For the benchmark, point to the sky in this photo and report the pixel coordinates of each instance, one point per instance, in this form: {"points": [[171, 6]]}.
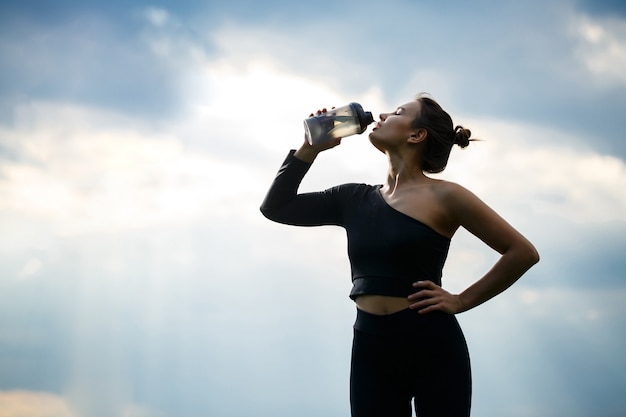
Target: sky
{"points": [[137, 141]]}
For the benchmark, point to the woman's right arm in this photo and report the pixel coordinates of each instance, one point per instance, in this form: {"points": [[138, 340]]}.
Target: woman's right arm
{"points": [[283, 204]]}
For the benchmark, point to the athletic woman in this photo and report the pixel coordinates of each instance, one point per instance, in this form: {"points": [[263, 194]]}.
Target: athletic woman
{"points": [[407, 346]]}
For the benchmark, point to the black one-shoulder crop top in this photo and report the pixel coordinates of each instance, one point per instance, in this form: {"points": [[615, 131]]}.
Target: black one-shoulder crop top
{"points": [[388, 250]]}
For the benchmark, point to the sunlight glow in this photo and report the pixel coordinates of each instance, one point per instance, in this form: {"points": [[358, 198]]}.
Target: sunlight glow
{"points": [[33, 404]]}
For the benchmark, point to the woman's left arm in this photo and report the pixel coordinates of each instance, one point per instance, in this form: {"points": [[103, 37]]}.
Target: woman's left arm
{"points": [[518, 255]]}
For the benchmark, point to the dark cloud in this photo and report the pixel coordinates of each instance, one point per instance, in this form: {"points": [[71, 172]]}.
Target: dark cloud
{"points": [[549, 356], [493, 65], [614, 8], [83, 58], [581, 256], [496, 66]]}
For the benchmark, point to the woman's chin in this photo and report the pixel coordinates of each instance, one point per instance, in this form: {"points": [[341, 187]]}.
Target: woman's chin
{"points": [[376, 143]]}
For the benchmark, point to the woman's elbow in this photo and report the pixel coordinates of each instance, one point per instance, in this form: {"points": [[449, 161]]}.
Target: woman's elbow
{"points": [[531, 255], [274, 214], [267, 212], [523, 252]]}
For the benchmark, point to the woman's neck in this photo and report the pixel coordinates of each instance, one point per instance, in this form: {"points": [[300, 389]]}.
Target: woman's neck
{"points": [[403, 171]]}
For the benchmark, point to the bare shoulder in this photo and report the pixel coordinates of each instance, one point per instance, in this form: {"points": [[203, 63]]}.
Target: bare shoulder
{"points": [[470, 212], [450, 205], [452, 193], [463, 207]]}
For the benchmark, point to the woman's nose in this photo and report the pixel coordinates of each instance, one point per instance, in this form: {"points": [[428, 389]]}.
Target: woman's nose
{"points": [[382, 116]]}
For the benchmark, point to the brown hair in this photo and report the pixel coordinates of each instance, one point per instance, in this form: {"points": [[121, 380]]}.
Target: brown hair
{"points": [[440, 134]]}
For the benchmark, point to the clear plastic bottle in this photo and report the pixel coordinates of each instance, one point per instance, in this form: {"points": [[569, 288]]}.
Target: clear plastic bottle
{"points": [[337, 123]]}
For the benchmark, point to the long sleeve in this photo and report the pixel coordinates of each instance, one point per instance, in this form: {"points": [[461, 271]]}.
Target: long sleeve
{"points": [[283, 204]]}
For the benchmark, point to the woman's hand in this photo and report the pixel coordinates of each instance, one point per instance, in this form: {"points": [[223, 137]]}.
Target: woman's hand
{"points": [[431, 297]]}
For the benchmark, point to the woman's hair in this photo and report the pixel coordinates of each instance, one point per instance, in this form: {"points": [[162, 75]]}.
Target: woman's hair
{"points": [[441, 134]]}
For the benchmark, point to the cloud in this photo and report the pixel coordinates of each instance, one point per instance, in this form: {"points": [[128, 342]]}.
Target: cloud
{"points": [[157, 16], [538, 169], [539, 76], [30, 268], [170, 47], [602, 48], [557, 357], [82, 170], [603, 7], [133, 248], [79, 169], [570, 202], [83, 57]]}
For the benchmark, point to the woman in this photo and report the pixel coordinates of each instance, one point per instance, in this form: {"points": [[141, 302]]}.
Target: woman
{"points": [[407, 342]]}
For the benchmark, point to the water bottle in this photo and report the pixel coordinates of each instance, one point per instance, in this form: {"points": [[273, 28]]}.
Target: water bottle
{"points": [[337, 123]]}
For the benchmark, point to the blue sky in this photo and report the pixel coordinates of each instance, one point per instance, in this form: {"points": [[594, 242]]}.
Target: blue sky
{"points": [[137, 140]]}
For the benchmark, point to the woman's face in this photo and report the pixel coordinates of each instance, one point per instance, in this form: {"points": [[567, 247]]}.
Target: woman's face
{"points": [[395, 128]]}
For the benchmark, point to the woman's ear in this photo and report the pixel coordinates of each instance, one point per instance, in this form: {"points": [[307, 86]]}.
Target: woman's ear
{"points": [[418, 135]]}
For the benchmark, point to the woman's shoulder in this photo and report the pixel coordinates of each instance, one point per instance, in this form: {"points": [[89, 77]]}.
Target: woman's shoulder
{"points": [[449, 188], [460, 202], [449, 192]]}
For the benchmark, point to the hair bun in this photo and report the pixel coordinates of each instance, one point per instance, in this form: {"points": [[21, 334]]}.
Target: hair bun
{"points": [[462, 136]]}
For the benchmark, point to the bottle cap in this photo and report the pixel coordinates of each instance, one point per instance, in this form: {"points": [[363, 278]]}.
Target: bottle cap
{"points": [[365, 117]]}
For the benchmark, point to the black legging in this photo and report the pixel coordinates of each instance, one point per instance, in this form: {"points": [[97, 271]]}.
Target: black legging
{"points": [[404, 356]]}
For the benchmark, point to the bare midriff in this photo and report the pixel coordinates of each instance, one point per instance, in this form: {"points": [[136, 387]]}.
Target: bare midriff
{"points": [[381, 304]]}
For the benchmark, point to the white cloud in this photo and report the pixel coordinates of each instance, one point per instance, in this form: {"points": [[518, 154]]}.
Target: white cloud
{"points": [[602, 47], [303, 49], [522, 167], [156, 16], [32, 267], [83, 170], [103, 176]]}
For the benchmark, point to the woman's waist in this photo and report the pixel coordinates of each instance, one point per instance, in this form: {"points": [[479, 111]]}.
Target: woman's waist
{"points": [[381, 304]]}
